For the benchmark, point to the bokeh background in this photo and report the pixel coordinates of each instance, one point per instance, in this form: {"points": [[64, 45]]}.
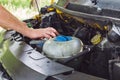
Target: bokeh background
{"points": [[22, 9]]}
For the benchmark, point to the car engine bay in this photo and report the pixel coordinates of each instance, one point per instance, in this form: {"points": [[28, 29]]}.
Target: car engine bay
{"points": [[97, 50]]}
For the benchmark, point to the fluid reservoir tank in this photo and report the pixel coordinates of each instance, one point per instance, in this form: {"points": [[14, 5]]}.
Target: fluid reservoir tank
{"points": [[62, 47]]}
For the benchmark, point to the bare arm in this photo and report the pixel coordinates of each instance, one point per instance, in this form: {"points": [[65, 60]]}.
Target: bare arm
{"points": [[8, 21]]}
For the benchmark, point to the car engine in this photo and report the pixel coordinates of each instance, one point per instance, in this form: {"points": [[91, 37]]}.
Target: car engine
{"points": [[88, 45]]}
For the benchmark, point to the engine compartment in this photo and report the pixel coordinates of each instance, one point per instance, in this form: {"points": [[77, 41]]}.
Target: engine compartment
{"points": [[100, 39]]}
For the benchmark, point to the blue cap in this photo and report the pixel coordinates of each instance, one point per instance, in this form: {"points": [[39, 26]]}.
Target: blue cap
{"points": [[62, 38]]}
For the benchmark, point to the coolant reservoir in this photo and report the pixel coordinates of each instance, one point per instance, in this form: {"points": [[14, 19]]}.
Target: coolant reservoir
{"points": [[62, 47]]}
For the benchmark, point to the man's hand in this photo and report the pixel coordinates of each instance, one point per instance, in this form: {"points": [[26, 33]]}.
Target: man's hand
{"points": [[8, 21], [41, 33]]}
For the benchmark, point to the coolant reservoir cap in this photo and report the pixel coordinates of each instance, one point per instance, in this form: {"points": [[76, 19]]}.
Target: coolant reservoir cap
{"points": [[62, 38]]}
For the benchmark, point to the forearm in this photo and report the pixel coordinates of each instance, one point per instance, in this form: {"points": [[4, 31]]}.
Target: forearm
{"points": [[8, 21]]}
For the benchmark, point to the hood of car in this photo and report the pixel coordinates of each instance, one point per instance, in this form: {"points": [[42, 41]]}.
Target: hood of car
{"points": [[101, 10], [104, 4]]}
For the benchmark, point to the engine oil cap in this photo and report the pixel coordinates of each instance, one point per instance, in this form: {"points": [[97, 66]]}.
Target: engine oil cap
{"points": [[96, 39]]}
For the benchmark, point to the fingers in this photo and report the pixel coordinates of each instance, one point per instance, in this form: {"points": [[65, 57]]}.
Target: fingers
{"points": [[51, 31], [42, 33], [47, 36], [53, 34], [50, 34]]}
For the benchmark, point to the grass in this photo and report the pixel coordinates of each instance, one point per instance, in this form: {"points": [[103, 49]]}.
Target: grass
{"points": [[21, 8], [20, 12], [16, 3]]}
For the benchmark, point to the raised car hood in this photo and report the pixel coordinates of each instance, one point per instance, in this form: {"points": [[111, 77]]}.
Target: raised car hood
{"points": [[102, 10], [109, 4]]}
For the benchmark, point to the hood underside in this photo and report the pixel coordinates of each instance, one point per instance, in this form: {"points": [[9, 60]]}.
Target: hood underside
{"points": [[101, 10]]}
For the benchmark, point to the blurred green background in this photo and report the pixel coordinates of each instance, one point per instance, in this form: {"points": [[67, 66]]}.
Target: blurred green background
{"points": [[16, 3], [21, 8]]}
